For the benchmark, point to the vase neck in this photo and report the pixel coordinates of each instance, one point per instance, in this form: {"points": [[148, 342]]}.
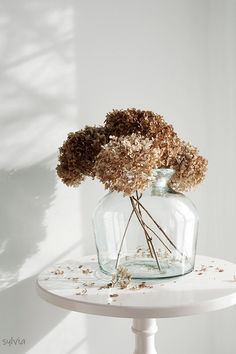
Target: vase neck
{"points": [[162, 179]]}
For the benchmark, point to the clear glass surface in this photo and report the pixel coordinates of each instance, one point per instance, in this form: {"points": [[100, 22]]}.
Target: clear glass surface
{"points": [[156, 239]]}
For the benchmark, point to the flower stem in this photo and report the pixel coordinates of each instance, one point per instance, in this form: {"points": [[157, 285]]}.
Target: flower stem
{"points": [[149, 239], [139, 197], [159, 227], [122, 241]]}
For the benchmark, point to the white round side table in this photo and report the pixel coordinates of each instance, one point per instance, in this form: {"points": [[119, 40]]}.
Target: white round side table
{"points": [[80, 286]]}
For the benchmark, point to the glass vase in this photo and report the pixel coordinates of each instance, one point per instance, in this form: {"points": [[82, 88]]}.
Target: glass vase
{"points": [[152, 234]]}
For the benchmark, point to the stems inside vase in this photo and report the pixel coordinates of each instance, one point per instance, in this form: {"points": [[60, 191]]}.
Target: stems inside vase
{"points": [[138, 209], [148, 238], [159, 227]]}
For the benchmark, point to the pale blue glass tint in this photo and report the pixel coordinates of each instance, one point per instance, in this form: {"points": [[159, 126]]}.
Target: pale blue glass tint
{"points": [[171, 221]]}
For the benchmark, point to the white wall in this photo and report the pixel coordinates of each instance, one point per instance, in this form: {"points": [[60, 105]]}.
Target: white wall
{"points": [[64, 64]]}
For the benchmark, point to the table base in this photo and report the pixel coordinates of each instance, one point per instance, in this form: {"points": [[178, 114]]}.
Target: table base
{"points": [[144, 330]]}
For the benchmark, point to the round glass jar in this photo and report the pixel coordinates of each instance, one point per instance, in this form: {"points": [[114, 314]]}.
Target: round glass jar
{"points": [[153, 234]]}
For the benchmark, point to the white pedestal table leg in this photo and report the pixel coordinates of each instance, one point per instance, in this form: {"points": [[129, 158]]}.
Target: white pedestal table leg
{"points": [[144, 330]]}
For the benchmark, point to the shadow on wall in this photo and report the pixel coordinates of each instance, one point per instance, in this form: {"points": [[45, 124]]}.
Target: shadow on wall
{"points": [[36, 40], [36, 67], [25, 315], [25, 196]]}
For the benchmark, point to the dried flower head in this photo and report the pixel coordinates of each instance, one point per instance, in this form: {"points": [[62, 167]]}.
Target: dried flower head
{"points": [[149, 125], [78, 153], [134, 142], [128, 121], [126, 163], [190, 168]]}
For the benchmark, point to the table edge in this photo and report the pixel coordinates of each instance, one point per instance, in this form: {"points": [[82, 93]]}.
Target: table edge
{"points": [[136, 312]]}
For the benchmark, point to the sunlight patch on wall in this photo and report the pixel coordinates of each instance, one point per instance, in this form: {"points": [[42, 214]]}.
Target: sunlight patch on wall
{"points": [[38, 85]]}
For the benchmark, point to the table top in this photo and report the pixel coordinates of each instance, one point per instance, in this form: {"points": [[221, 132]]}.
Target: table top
{"points": [[79, 285]]}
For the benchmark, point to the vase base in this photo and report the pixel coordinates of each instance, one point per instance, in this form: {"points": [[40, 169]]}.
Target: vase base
{"points": [[148, 269]]}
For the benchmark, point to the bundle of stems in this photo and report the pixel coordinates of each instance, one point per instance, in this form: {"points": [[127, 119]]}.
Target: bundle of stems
{"points": [[139, 211]]}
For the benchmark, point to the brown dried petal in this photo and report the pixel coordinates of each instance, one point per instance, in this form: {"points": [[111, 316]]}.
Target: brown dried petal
{"points": [[78, 153], [128, 121]]}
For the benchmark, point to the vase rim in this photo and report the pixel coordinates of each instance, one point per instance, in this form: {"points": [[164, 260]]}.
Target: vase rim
{"points": [[165, 171], [162, 178]]}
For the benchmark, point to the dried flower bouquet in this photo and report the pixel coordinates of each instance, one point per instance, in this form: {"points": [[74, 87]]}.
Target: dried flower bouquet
{"points": [[124, 154]]}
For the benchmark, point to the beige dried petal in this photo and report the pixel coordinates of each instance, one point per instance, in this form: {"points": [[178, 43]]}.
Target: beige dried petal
{"points": [[127, 163]]}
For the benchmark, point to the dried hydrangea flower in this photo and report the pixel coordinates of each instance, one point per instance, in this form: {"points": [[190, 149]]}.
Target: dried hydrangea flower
{"points": [[126, 163], [128, 121], [142, 141], [78, 153], [174, 153], [190, 168], [149, 125]]}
